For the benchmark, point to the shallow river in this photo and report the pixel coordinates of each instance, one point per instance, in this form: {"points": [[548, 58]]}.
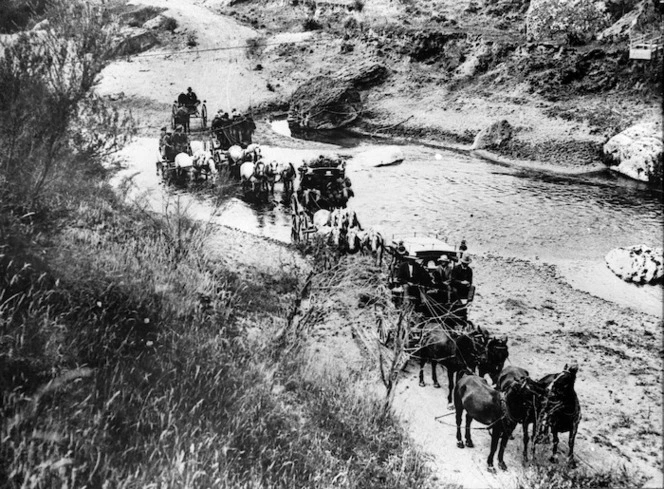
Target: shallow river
{"points": [[568, 221]]}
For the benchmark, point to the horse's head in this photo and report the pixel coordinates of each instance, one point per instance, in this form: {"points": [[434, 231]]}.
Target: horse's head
{"points": [[335, 236], [354, 239], [375, 240], [272, 168], [260, 169], [496, 355], [563, 383]]}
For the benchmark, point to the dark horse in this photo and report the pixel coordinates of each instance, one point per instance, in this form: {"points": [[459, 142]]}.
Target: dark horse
{"points": [[182, 116], [459, 350], [501, 411], [561, 411], [509, 376], [287, 176]]}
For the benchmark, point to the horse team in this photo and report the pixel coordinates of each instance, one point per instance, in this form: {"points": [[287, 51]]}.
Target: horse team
{"points": [[344, 233], [469, 354]]}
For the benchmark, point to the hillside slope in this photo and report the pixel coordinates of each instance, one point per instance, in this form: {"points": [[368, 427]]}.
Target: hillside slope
{"points": [[456, 67]]}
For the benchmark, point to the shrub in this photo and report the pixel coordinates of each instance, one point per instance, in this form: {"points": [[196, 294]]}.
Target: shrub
{"points": [[16, 15], [169, 24], [53, 130], [255, 47], [311, 24]]}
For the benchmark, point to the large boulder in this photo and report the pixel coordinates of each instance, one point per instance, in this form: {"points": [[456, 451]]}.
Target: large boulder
{"points": [[364, 75], [134, 41], [637, 152], [323, 103], [493, 136], [639, 264]]}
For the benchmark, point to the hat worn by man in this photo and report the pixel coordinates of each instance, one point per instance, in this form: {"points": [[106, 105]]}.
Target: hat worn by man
{"points": [[466, 259], [444, 259], [179, 127]]}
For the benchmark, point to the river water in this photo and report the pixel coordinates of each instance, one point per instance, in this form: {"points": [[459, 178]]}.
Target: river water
{"points": [[571, 222]]}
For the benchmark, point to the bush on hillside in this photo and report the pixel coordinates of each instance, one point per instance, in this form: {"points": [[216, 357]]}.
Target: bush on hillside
{"points": [[573, 22], [53, 130], [16, 15], [617, 8]]}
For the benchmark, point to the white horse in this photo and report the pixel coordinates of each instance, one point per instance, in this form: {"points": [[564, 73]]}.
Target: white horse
{"points": [[348, 219], [253, 152], [236, 154], [355, 239], [321, 218], [253, 175], [183, 161], [271, 174], [375, 243]]}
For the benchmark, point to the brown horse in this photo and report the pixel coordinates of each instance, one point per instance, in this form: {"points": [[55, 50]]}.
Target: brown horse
{"points": [[501, 411], [509, 376], [182, 116], [458, 350], [561, 411]]}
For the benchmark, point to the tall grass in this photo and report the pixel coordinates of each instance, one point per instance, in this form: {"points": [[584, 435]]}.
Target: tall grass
{"points": [[161, 382]]}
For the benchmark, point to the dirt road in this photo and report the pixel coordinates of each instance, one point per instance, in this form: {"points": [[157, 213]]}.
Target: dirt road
{"points": [[217, 68]]}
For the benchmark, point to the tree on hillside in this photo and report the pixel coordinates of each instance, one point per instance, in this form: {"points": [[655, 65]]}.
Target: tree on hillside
{"points": [[46, 106], [572, 22]]}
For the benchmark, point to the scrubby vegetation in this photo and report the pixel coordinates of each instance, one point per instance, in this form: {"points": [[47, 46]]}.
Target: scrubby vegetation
{"points": [[16, 15], [130, 355], [586, 478]]}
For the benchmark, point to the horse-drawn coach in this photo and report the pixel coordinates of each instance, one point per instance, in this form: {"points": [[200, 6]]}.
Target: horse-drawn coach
{"points": [[227, 132], [323, 185], [421, 274], [182, 113]]}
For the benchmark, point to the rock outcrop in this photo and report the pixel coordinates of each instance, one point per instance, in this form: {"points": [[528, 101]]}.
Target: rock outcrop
{"points": [[637, 152], [639, 264], [331, 102], [493, 136], [324, 103], [134, 41], [363, 76]]}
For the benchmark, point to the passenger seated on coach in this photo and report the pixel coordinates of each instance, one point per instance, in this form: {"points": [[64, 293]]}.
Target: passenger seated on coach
{"points": [[411, 275], [461, 279], [442, 276]]}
